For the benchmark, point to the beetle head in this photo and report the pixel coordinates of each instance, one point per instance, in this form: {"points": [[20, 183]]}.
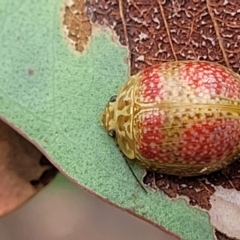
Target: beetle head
{"points": [[116, 118], [107, 117]]}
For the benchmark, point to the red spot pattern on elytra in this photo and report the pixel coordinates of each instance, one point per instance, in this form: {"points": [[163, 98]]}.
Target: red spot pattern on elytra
{"points": [[151, 83], [151, 136], [212, 79], [210, 140]]}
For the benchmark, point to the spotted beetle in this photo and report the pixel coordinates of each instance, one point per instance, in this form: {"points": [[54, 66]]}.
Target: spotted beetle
{"points": [[180, 118]]}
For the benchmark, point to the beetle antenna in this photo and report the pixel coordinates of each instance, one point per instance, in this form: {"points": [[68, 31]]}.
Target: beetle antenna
{"points": [[133, 173]]}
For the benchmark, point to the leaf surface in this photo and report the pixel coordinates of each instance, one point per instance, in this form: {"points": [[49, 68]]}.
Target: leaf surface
{"points": [[55, 96]]}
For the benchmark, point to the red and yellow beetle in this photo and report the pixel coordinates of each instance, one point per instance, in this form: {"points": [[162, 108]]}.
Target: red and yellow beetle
{"points": [[180, 118]]}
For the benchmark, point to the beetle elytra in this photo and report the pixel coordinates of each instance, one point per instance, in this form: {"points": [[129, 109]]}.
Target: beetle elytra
{"points": [[180, 118]]}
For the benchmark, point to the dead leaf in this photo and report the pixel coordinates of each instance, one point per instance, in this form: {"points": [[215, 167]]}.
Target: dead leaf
{"points": [[77, 24], [221, 236], [24, 170], [158, 30]]}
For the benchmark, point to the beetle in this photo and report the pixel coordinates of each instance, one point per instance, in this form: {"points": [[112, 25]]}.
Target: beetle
{"points": [[179, 118]]}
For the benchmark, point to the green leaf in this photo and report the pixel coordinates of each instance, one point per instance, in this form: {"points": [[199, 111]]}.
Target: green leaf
{"points": [[55, 96]]}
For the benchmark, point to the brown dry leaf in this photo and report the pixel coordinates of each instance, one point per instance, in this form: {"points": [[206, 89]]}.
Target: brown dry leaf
{"points": [[77, 24], [23, 170], [221, 236], [168, 30]]}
